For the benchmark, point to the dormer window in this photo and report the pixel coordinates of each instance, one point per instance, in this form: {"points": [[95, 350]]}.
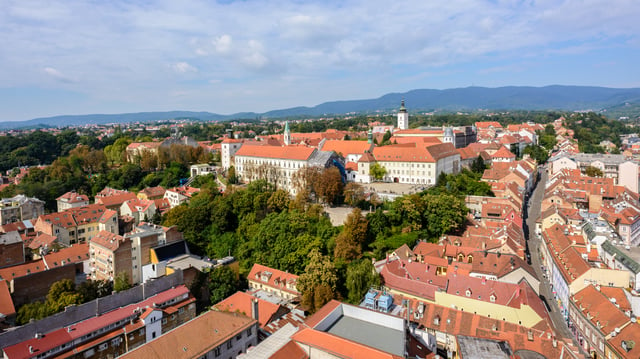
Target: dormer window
{"points": [[436, 320], [468, 293], [492, 298]]}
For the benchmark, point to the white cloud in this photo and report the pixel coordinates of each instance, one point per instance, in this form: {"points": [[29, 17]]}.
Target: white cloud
{"points": [[56, 74], [183, 67], [222, 44], [331, 46]]}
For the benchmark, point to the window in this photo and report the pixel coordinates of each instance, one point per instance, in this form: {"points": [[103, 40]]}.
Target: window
{"points": [[249, 332], [181, 310], [216, 352], [103, 346], [164, 321], [229, 344], [153, 335]]}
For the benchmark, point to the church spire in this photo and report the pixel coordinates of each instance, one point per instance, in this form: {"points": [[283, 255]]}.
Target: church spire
{"points": [[287, 134]]}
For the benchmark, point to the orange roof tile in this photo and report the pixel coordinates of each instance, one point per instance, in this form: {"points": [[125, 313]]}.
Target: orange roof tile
{"points": [[6, 302], [339, 346], [241, 302], [293, 152], [347, 147], [275, 278]]}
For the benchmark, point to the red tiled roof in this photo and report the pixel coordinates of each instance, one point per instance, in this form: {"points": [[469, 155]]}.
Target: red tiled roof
{"points": [[108, 240], [76, 331], [629, 334], [347, 147], [503, 152], [276, 278], [338, 346], [6, 302], [596, 307], [241, 302], [481, 125], [76, 253], [412, 152], [157, 191], [116, 200], [194, 338], [291, 350], [41, 240], [73, 197], [20, 270], [293, 152]]}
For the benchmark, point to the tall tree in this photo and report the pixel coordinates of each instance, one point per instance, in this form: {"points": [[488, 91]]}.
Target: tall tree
{"points": [[223, 281], [361, 275], [329, 185], [319, 276], [354, 233]]}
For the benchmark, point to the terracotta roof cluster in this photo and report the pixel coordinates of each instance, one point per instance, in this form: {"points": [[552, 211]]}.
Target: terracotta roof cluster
{"points": [[138, 205], [627, 343], [274, 278], [143, 145], [539, 339]]}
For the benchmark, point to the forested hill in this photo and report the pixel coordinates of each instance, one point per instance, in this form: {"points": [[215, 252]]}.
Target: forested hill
{"points": [[567, 98]]}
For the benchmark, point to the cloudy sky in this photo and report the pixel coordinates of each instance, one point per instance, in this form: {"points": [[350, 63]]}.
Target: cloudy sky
{"points": [[102, 56]]}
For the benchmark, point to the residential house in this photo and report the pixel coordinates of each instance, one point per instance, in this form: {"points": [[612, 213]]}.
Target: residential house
{"points": [[140, 209], [594, 320], [71, 200], [20, 208], [270, 280], [78, 224], [179, 195]]}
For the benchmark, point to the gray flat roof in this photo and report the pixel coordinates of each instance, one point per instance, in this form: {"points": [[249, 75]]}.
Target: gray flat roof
{"points": [[373, 335], [478, 348]]}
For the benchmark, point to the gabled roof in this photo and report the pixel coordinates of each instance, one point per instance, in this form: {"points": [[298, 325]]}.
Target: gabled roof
{"points": [[275, 278], [194, 338], [75, 254], [73, 197], [503, 152], [338, 346], [157, 191], [41, 240], [6, 302], [76, 331], [108, 240], [116, 200], [627, 343], [597, 308], [292, 152], [346, 147], [412, 152], [241, 303]]}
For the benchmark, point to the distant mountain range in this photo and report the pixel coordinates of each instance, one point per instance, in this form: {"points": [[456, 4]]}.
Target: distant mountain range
{"points": [[566, 98]]}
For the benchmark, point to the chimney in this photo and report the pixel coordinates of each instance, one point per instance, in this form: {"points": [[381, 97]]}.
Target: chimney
{"points": [[255, 314]]}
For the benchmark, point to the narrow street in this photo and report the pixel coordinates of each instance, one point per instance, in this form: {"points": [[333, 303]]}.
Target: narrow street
{"points": [[533, 243]]}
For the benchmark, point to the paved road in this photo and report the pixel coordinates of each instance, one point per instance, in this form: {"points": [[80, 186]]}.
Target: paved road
{"points": [[533, 243]]}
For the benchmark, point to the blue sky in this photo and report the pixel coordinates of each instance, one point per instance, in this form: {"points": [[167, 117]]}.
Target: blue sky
{"points": [[81, 57]]}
